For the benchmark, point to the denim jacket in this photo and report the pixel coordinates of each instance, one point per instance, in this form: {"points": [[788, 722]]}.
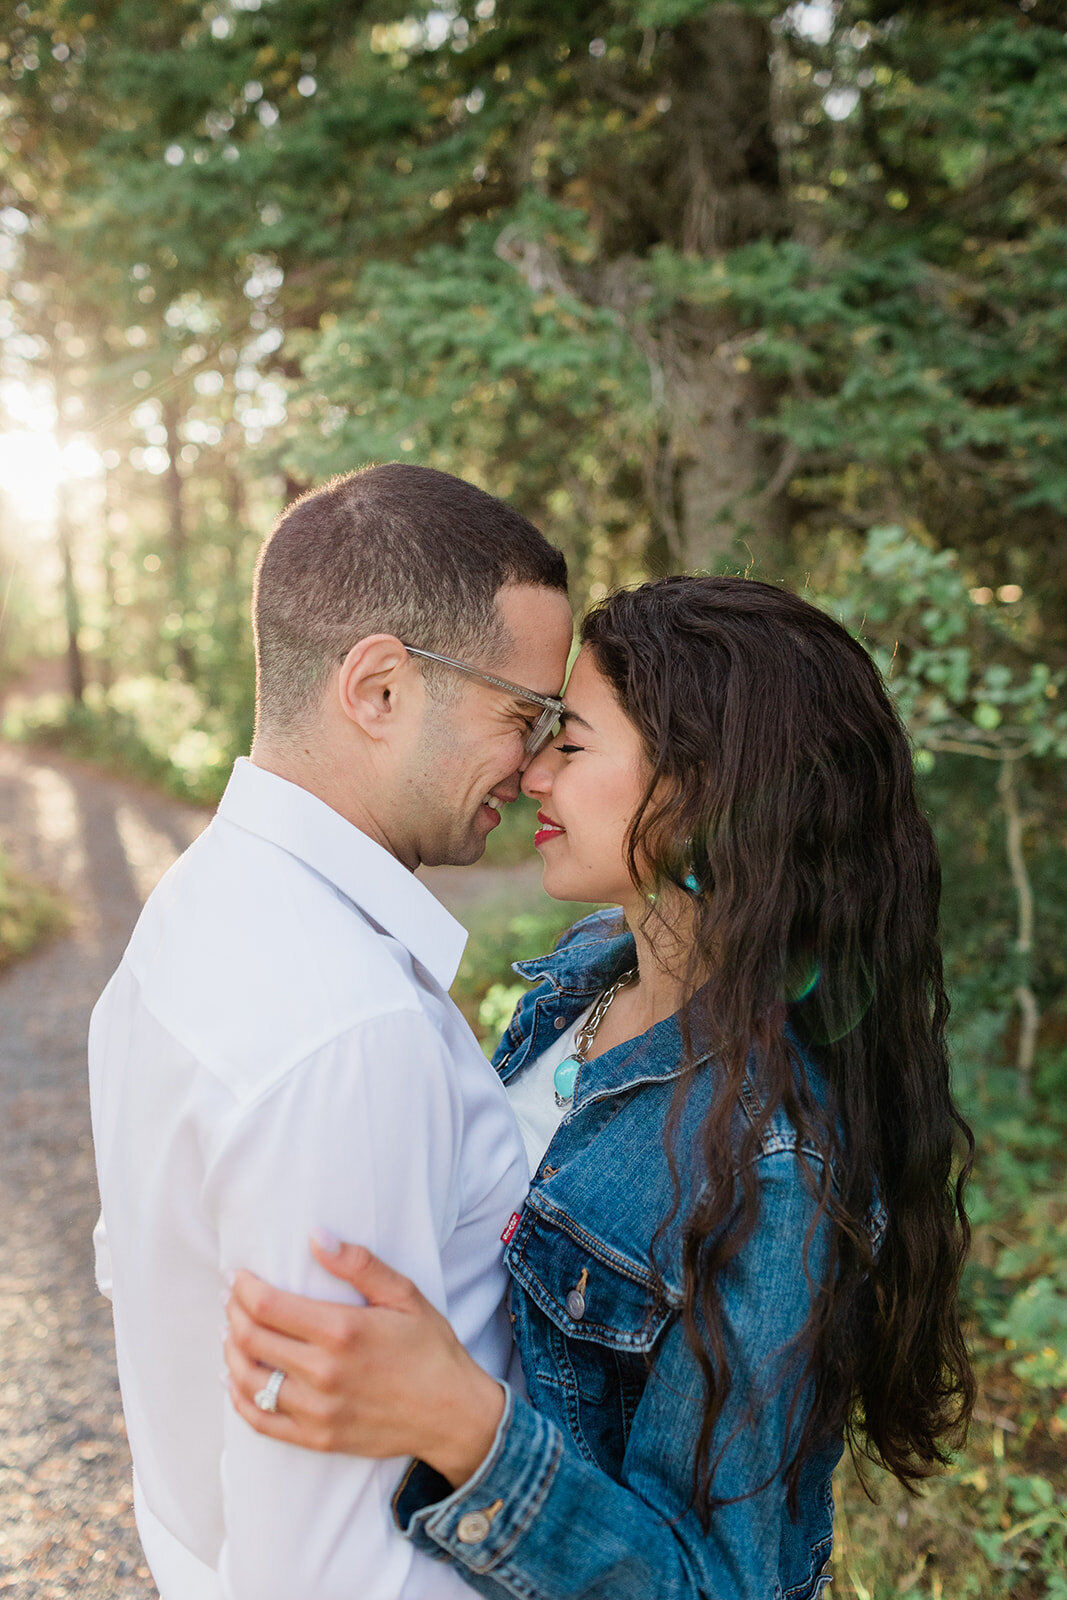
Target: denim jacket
{"points": [[587, 1489]]}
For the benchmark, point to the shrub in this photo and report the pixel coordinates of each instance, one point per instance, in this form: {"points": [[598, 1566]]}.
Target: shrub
{"points": [[29, 913], [158, 729]]}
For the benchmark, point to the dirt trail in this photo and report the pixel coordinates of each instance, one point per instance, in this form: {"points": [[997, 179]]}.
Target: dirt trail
{"points": [[66, 1520]]}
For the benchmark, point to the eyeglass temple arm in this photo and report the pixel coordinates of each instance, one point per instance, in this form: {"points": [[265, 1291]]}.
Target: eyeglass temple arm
{"points": [[550, 702]]}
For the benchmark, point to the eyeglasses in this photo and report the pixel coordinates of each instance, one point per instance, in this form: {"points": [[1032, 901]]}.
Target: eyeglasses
{"points": [[551, 705]]}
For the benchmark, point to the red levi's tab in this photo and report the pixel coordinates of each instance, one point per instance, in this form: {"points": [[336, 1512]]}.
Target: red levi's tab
{"points": [[509, 1232]]}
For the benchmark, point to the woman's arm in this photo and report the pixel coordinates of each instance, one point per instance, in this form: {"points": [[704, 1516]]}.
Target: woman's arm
{"points": [[535, 1517]]}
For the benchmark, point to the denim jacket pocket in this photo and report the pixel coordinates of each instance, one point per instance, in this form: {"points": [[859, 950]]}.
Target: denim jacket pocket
{"points": [[592, 1322]]}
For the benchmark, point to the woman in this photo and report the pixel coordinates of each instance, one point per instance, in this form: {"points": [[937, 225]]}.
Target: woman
{"points": [[745, 1229]]}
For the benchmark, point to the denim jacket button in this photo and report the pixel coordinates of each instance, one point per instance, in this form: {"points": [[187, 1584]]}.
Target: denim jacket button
{"points": [[474, 1525], [560, 1022], [575, 1303]]}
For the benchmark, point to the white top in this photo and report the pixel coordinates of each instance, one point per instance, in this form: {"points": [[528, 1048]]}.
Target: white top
{"points": [[276, 1051], [532, 1093]]}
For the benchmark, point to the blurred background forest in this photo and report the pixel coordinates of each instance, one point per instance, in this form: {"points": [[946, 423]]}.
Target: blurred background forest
{"points": [[694, 285]]}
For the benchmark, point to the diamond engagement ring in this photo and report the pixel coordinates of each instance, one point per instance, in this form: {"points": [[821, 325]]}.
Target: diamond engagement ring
{"points": [[267, 1397]]}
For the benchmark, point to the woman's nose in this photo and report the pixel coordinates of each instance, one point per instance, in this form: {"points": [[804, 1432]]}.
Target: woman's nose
{"points": [[538, 774]]}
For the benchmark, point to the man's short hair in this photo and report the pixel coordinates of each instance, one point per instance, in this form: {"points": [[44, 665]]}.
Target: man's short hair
{"points": [[394, 549]]}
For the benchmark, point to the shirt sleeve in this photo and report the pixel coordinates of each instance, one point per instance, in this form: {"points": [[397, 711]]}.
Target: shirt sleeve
{"points": [[102, 1257], [362, 1139], [540, 1520]]}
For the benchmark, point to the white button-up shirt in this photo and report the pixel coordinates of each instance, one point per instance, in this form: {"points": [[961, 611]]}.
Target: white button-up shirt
{"points": [[277, 1051]]}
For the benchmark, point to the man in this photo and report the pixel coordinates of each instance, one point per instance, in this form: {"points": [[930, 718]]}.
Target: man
{"points": [[277, 1051]]}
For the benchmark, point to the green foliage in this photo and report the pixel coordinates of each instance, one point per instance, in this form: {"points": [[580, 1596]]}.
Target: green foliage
{"points": [[29, 914], [995, 1525], [157, 729], [962, 672], [511, 841], [914, 325], [18, 622], [452, 358], [485, 988], [1017, 1277], [463, 237], [496, 1010]]}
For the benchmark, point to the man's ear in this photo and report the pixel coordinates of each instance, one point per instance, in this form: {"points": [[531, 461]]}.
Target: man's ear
{"points": [[373, 674]]}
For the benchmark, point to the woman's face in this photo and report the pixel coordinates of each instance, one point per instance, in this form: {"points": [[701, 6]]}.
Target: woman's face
{"points": [[588, 784]]}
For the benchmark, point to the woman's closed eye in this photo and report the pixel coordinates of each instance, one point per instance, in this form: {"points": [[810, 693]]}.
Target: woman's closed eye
{"points": [[568, 749]]}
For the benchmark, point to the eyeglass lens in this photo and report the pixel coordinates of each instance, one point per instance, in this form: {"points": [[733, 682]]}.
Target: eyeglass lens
{"points": [[542, 730]]}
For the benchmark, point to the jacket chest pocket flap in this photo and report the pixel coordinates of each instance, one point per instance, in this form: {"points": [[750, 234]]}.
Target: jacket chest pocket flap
{"points": [[586, 1290]]}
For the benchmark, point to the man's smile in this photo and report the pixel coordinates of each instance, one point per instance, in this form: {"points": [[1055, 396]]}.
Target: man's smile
{"points": [[489, 810]]}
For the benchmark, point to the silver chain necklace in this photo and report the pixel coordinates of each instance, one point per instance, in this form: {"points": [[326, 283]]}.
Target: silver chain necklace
{"points": [[566, 1074]]}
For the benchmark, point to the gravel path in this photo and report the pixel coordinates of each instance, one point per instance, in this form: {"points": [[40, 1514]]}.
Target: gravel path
{"points": [[66, 1520]]}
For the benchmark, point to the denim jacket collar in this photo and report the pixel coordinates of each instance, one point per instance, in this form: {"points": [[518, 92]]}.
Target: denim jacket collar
{"points": [[583, 968], [567, 980]]}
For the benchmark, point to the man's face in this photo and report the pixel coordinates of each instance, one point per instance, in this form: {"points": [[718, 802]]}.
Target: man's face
{"points": [[470, 749]]}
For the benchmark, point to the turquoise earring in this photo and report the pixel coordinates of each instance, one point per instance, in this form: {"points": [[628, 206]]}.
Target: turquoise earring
{"points": [[691, 883]]}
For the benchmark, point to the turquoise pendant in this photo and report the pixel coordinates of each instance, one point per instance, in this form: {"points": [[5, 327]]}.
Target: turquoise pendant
{"points": [[564, 1079]]}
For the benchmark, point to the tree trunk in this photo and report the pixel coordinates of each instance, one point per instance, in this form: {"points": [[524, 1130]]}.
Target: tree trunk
{"points": [[8, 568], [723, 186], [107, 564], [710, 182], [71, 600], [235, 503], [732, 511], [233, 598], [65, 540], [1029, 1014], [179, 539]]}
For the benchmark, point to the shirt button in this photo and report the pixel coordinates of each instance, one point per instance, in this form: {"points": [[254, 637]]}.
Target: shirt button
{"points": [[560, 1022], [472, 1528]]}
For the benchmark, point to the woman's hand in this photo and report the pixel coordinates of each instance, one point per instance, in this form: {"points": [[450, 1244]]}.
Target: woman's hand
{"points": [[386, 1379]]}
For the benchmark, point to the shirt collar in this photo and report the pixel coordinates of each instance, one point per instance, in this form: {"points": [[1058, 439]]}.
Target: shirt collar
{"points": [[299, 822]]}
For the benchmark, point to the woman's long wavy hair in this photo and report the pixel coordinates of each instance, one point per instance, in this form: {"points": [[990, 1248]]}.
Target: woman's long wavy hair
{"points": [[781, 779]]}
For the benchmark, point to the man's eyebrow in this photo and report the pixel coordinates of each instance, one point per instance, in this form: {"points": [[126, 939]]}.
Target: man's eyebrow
{"points": [[572, 716]]}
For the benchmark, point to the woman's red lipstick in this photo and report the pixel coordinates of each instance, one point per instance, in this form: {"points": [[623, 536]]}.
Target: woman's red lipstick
{"points": [[549, 829]]}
